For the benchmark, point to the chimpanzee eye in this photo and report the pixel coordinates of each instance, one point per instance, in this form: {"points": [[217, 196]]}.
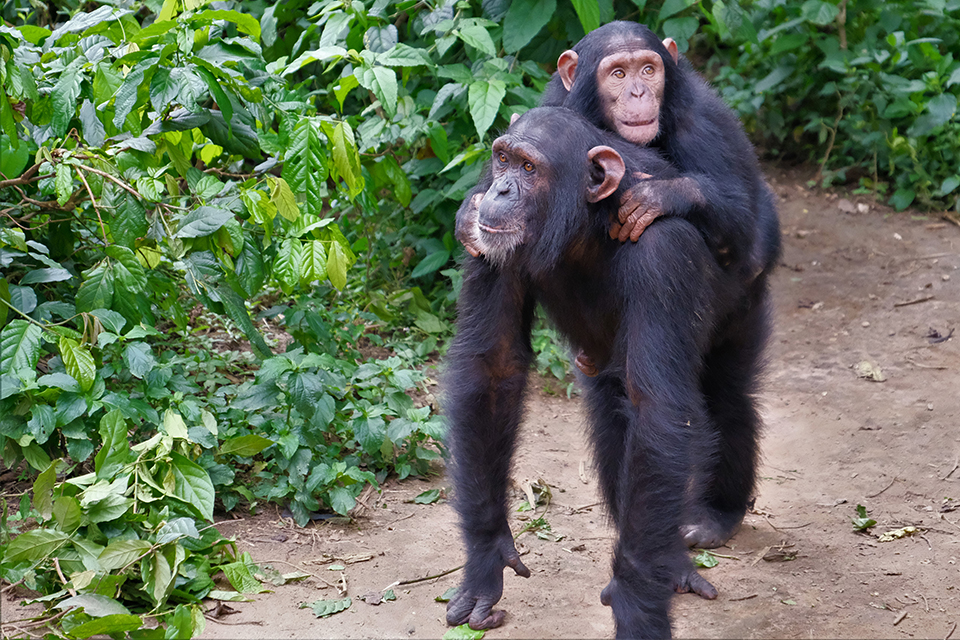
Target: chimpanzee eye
{"points": [[648, 70], [528, 167], [502, 157], [618, 73]]}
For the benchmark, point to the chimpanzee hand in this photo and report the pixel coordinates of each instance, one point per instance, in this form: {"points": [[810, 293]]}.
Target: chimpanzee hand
{"points": [[689, 581], [649, 199], [483, 585], [466, 229]]}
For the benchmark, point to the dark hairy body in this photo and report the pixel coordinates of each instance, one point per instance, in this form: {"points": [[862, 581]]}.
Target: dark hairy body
{"points": [[675, 337]]}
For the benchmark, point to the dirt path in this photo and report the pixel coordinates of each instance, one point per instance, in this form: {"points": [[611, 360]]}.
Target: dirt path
{"points": [[833, 441]]}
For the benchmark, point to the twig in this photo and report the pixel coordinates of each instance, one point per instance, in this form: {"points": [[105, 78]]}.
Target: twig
{"points": [[298, 567], [56, 565], [950, 633], [909, 302], [93, 201], [926, 366], [874, 495], [833, 137], [25, 178], [416, 580], [752, 595], [956, 464], [903, 614], [15, 584], [588, 506], [106, 175], [259, 623]]}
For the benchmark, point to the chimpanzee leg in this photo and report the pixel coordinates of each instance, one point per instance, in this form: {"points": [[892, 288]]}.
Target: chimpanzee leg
{"points": [[669, 280], [604, 399], [729, 382], [485, 381]]}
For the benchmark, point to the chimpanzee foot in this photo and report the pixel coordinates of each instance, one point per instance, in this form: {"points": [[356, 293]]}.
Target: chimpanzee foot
{"points": [[711, 528], [483, 586], [693, 582]]}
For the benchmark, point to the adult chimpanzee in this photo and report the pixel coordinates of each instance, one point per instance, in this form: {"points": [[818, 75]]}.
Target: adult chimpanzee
{"points": [[669, 330], [623, 79]]}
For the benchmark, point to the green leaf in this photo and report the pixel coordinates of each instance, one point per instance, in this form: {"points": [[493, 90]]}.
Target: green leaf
{"points": [[305, 166], [129, 221], [903, 198], [705, 560], [94, 605], [673, 7], [341, 500], [463, 632], [428, 497], [97, 289], [380, 39], [282, 196], [33, 546], [681, 30], [67, 513], [245, 446], [12, 160], [431, 263], [286, 268], [324, 608], [115, 450], [238, 573], [138, 359], [79, 362], [173, 424], [346, 160], [401, 55], [234, 307], [64, 96], [337, 266], [249, 268], [111, 320], [64, 183], [45, 275], [126, 97], [479, 38], [193, 484], [121, 553], [107, 625], [313, 265], [203, 221], [485, 98], [589, 13], [819, 12], [43, 491], [524, 20], [245, 23], [93, 131], [216, 90], [447, 595]]}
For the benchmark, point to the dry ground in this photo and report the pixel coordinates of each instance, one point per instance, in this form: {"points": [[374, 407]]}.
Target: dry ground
{"points": [[833, 440]]}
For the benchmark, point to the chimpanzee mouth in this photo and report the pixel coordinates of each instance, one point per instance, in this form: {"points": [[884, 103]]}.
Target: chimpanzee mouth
{"points": [[508, 230], [639, 123]]}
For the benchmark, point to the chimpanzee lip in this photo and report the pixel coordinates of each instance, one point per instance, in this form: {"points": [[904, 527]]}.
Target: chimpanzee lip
{"points": [[639, 123], [489, 229]]}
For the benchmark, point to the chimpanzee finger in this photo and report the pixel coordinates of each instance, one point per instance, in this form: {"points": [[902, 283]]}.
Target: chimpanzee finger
{"points": [[642, 223], [628, 225], [615, 230], [459, 609], [641, 175], [472, 250], [517, 565], [483, 617], [693, 582]]}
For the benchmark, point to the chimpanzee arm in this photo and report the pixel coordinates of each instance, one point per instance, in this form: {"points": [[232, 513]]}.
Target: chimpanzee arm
{"points": [[485, 382]]}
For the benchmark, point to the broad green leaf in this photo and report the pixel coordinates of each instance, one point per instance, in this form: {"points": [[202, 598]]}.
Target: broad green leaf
{"points": [[681, 30], [193, 484], [174, 425], [524, 20], [94, 605], [313, 264], [383, 82], [121, 553], [203, 221], [463, 632], [305, 166], [177, 528], [431, 263], [346, 159], [380, 39], [236, 310], [35, 456], [4, 309], [216, 90], [82, 21], [238, 573], [64, 96], [286, 268], [67, 513], [43, 491], [14, 158], [64, 183], [485, 98], [45, 275], [79, 362], [114, 625], [589, 13], [138, 359], [126, 97], [33, 546], [93, 131], [115, 450], [111, 320], [337, 266], [245, 446], [283, 197], [428, 497], [245, 23], [345, 86], [819, 12], [129, 221], [402, 55], [673, 7], [249, 268], [479, 38], [97, 289]]}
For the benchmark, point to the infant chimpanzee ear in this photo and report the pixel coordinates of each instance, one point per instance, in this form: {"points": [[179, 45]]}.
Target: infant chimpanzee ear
{"points": [[606, 172]]}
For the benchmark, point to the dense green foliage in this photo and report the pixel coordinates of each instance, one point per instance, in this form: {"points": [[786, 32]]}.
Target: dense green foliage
{"points": [[227, 245]]}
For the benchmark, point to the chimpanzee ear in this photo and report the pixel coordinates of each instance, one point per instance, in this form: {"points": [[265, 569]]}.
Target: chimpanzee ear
{"points": [[514, 118], [672, 49], [567, 66], [611, 164]]}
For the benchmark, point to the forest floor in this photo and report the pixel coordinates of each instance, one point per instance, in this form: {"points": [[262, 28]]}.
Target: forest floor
{"points": [[856, 285]]}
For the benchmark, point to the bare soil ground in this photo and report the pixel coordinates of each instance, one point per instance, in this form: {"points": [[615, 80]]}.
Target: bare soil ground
{"points": [[861, 286]]}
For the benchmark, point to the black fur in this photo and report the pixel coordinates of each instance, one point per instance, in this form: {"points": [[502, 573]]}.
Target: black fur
{"points": [[677, 341]]}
